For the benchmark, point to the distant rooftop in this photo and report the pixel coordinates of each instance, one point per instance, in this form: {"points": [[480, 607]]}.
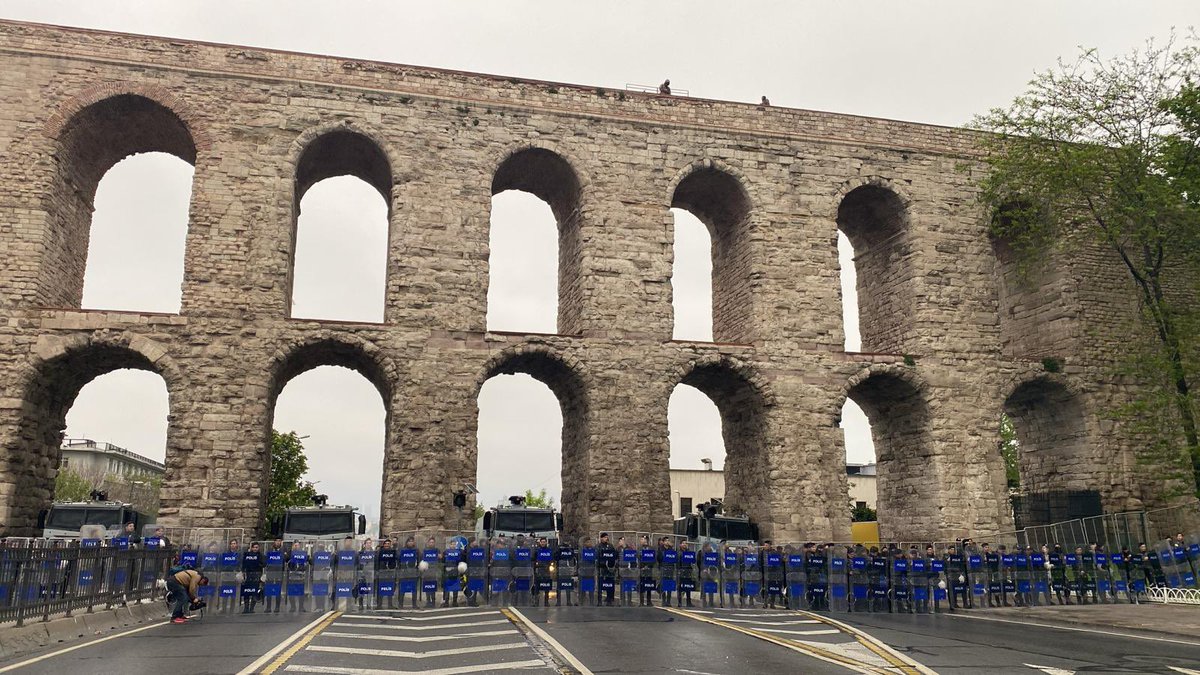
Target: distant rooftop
{"points": [[108, 448]]}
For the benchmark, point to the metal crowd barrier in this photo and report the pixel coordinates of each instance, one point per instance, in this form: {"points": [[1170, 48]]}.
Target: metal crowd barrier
{"points": [[40, 578]]}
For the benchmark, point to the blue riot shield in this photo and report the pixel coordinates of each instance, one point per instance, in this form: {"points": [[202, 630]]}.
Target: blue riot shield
{"points": [[298, 583], [710, 576], [797, 587], [838, 596]]}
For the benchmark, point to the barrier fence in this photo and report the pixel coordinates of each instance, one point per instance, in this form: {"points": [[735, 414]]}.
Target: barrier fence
{"points": [[40, 578], [428, 568]]}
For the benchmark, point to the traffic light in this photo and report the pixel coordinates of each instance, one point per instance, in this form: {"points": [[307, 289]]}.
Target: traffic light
{"points": [[460, 499]]}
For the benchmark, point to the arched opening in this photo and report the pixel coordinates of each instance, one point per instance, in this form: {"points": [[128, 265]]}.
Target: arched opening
{"points": [[907, 484], [522, 265], [697, 450], [874, 221], [862, 468], [525, 443], [340, 247], [719, 201], [520, 439], [743, 412], [345, 436], [32, 457], [692, 279], [516, 242], [145, 199], [1056, 469]]}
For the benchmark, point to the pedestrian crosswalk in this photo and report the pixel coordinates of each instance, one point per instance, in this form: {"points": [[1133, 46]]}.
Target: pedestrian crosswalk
{"points": [[445, 642]]}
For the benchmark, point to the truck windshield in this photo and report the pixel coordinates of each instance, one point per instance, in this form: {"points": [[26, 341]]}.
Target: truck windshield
{"points": [[74, 517], [319, 524], [521, 521], [731, 530]]}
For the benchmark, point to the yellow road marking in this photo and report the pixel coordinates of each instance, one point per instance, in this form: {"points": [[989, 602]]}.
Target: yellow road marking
{"points": [[816, 652], [301, 643], [906, 667]]}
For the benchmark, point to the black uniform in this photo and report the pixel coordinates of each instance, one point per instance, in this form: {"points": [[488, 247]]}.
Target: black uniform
{"points": [[252, 571]]}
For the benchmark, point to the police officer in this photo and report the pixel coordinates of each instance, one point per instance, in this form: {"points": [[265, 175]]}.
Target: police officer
{"points": [[1058, 574], [543, 581], [710, 576], [629, 576], [230, 561], [901, 587], [687, 574], [772, 560], [817, 577], [588, 560], [646, 561], [385, 574], [252, 572], [277, 553], [607, 561], [877, 576], [668, 562], [297, 572], [408, 558], [430, 556], [566, 564], [452, 577], [936, 577], [995, 583], [956, 569]]}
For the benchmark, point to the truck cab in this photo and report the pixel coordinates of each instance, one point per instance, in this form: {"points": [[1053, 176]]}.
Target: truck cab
{"points": [[515, 518], [319, 522], [709, 526], [63, 520]]}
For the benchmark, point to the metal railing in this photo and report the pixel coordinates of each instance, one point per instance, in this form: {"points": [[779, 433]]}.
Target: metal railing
{"points": [[1169, 521], [41, 578], [1114, 531]]}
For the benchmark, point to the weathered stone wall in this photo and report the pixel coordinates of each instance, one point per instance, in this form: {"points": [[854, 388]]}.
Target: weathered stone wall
{"points": [[772, 184]]}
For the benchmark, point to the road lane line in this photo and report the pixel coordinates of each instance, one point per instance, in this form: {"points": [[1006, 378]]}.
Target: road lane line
{"points": [[433, 610], [64, 650], [771, 623], [421, 618], [313, 629], [518, 618], [461, 670], [906, 665], [818, 631], [1191, 643], [399, 653], [389, 626], [814, 652], [419, 638]]}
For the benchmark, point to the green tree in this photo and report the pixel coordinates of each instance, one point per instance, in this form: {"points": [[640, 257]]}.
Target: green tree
{"points": [[863, 514], [288, 466], [540, 500], [1103, 155], [1009, 447], [69, 486]]}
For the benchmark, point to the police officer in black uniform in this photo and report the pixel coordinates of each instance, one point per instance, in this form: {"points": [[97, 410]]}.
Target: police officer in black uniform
{"points": [[606, 559], [385, 570], [252, 573]]}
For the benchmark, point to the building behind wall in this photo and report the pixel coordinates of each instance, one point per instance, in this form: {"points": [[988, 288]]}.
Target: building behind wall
{"points": [[691, 487], [92, 458]]}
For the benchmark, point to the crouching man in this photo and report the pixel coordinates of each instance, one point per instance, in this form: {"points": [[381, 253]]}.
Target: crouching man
{"points": [[182, 586]]}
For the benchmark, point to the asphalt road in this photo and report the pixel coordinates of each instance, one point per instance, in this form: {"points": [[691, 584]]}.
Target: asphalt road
{"points": [[617, 640]]}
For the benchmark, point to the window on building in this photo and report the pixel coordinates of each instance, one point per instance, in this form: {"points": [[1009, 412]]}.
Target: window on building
{"points": [[860, 505], [685, 505]]}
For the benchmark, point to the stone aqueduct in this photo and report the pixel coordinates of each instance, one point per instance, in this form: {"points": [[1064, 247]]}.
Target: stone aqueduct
{"points": [[773, 185]]}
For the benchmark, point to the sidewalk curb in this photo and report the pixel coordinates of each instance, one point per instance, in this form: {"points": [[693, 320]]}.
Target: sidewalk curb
{"points": [[1075, 620], [15, 641]]}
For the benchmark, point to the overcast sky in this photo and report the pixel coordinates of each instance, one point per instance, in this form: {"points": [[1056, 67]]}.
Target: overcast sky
{"points": [[919, 60]]}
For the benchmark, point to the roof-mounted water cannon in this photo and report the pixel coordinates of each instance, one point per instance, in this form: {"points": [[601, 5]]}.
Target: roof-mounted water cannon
{"points": [[320, 501], [517, 500], [98, 495]]}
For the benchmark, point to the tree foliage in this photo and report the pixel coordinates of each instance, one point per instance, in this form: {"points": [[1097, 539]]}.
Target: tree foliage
{"points": [[540, 500], [70, 486], [1103, 155], [1009, 449], [288, 466], [863, 514]]}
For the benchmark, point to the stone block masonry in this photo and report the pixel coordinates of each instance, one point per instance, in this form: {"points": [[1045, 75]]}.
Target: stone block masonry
{"points": [[774, 185]]}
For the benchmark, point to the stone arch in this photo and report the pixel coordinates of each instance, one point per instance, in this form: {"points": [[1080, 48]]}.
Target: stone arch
{"points": [[896, 401], [345, 148], [564, 377], [92, 133], [1050, 416], [51, 382], [329, 348], [550, 176], [743, 400], [717, 195], [875, 216]]}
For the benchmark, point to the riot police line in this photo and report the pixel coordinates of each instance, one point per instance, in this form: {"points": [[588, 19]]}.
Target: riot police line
{"points": [[425, 569]]}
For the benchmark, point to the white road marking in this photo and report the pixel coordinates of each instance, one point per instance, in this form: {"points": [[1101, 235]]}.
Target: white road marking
{"points": [[461, 670], [554, 644], [416, 655], [388, 626], [880, 645], [266, 658], [421, 618], [1075, 629], [771, 623], [1185, 671], [1050, 671], [419, 638], [43, 657], [429, 610], [819, 631]]}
